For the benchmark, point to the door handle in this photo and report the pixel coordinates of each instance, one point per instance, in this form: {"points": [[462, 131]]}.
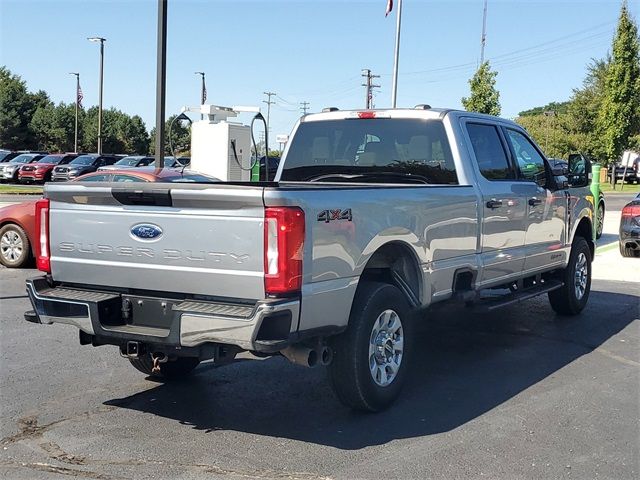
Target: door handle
{"points": [[534, 201], [493, 203]]}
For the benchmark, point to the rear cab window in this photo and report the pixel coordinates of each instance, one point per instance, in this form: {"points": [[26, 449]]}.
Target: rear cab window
{"points": [[377, 150]]}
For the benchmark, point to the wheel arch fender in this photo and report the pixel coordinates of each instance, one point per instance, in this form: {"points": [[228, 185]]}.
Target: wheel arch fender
{"points": [[396, 262], [584, 228]]}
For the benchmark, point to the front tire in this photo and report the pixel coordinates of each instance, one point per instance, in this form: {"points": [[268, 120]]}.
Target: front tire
{"points": [[176, 369], [371, 358], [572, 297], [14, 246]]}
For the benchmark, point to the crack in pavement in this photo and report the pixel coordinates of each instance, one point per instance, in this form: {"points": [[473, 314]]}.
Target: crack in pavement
{"points": [[30, 430], [49, 468], [54, 451]]}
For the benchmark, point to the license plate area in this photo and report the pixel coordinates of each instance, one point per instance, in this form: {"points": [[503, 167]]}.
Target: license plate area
{"points": [[147, 311]]}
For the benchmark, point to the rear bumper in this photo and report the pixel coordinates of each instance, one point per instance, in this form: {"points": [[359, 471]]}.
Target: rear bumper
{"points": [[166, 323]]}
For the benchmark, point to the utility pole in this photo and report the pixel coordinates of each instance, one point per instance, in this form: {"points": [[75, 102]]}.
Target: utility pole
{"points": [[369, 86], [483, 39], [269, 102], [304, 106], [263, 145]]}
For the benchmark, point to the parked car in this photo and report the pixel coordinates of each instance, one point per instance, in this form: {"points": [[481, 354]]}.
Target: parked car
{"points": [[629, 241], [560, 167], [9, 170], [18, 223], [6, 155], [273, 167], [41, 170], [628, 169], [81, 165], [174, 162], [131, 161]]}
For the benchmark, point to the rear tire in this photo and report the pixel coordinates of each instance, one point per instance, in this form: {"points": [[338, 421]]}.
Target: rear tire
{"points": [[372, 357], [572, 297], [15, 250], [177, 369], [628, 252]]}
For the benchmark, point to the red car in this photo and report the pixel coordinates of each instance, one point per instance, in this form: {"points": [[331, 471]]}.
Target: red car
{"points": [[40, 171], [18, 222]]}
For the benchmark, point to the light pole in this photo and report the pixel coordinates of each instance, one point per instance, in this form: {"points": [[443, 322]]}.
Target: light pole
{"points": [[75, 143], [203, 92], [101, 40]]}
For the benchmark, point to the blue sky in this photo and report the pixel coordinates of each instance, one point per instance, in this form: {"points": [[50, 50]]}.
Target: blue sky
{"points": [[311, 50]]}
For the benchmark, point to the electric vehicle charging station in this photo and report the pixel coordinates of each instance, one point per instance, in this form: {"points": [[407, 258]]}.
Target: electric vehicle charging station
{"points": [[220, 147]]}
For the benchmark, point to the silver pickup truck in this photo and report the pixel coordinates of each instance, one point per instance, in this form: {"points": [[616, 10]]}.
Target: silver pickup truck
{"points": [[374, 216]]}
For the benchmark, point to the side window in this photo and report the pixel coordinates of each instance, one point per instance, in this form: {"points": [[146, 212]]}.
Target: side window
{"points": [[489, 151], [530, 162], [126, 178], [96, 178]]}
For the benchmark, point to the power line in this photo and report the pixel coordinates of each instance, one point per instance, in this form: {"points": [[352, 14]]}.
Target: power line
{"points": [[304, 107]]}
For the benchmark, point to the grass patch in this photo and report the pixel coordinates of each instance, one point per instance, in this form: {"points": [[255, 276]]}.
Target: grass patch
{"points": [[21, 189], [628, 188]]}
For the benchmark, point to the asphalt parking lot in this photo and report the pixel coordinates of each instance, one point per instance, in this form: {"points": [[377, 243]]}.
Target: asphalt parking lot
{"points": [[518, 393]]}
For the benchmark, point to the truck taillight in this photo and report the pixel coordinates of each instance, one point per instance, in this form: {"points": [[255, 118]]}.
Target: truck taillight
{"points": [[283, 248], [43, 262]]}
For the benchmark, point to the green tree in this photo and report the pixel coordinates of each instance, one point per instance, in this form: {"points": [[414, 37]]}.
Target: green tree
{"points": [[120, 132], [179, 134], [619, 117], [557, 107], [17, 107], [53, 127], [484, 97], [552, 133]]}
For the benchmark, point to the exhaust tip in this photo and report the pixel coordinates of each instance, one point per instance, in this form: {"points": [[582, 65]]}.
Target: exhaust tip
{"points": [[312, 359], [326, 356]]}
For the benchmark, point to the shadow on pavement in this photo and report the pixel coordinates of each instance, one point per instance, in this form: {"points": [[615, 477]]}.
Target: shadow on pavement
{"points": [[469, 364], [607, 239]]}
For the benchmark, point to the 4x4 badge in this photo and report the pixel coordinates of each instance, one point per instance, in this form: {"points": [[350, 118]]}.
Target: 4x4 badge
{"points": [[338, 214]]}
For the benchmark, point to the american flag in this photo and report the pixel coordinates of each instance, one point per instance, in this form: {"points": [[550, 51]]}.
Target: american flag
{"points": [[79, 96], [389, 7]]}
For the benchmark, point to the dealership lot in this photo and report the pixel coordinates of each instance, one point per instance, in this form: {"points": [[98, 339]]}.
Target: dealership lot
{"points": [[512, 394]]}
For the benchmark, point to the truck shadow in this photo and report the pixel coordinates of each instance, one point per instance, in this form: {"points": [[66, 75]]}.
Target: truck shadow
{"points": [[467, 364]]}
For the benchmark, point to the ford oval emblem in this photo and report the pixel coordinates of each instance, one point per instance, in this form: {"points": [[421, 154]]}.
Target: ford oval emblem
{"points": [[146, 231]]}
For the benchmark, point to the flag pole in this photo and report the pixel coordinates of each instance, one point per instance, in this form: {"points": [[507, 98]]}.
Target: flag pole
{"points": [[75, 143], [394, 88]]}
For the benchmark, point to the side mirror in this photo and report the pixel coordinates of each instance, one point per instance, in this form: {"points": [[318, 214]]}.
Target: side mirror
{"points": [[579, 171]]}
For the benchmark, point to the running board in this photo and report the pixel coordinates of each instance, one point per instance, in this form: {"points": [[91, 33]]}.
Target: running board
{"points": [[517, 297]]}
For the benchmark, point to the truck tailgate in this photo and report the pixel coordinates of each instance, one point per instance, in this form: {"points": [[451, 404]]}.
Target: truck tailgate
{"points": [[197, 239]]}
